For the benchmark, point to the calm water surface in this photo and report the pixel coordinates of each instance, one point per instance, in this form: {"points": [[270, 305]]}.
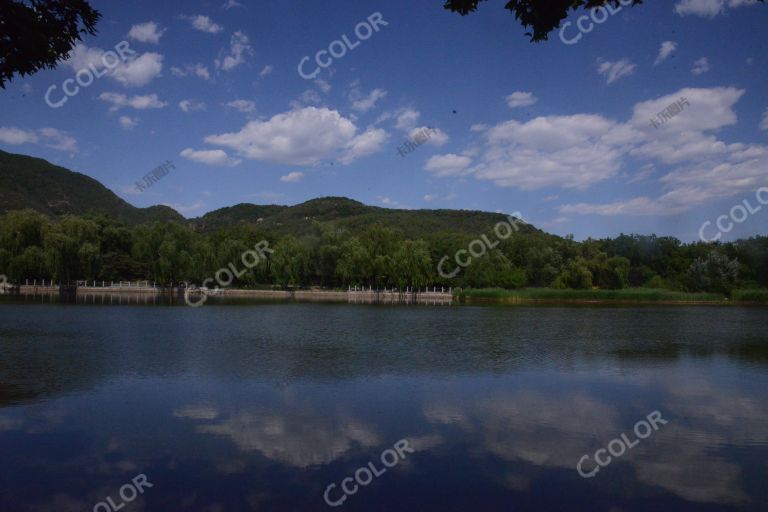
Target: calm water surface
{"points": [[262, 407]]}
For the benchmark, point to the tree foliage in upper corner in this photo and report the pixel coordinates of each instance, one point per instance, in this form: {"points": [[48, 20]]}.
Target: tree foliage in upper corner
{"points": [[36, 34], [541, 16]]}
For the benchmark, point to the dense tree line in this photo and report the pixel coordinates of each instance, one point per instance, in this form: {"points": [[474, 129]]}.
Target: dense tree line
{"points": [[97, 247]]}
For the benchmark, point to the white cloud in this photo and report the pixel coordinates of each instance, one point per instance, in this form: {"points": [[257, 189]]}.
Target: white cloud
{"points": [[666, 49], [119, 101], [15, 136], [231, 4], [266, 70], [191, 106], [521, 99], [407, 119], [764, 122], [135, 71], [437, 137], [448, 165], [50, 137], [128, 123], [637, 207], [362, 103], [245, 106], [704, 168], [239, 47], [701, 66], [205, 24], [302, 137], [708, 8], [707, 109], [215, 157], [58, 139], [567, 151], [292, 177], [323, 85], [199, 70], [365, 144], [581, 150], [615, 70], [703, 8], [148, 32]]}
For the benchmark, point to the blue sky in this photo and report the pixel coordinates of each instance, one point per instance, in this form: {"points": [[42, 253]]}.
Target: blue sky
{"points": [[559, 132]]}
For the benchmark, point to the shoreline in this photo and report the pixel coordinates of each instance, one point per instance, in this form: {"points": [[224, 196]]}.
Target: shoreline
{"points": [[434, 296]]}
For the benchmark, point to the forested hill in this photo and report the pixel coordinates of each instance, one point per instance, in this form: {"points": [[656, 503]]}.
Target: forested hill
{"points": [[333, 242], [34, 183], [345, 213]]}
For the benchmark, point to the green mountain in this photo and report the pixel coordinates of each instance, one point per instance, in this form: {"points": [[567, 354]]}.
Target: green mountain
{"points": [[346, 213], [28, 182]]}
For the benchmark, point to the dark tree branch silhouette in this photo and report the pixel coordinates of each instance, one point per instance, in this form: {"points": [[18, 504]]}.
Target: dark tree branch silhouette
{"points": [[541, 16], [36, 34]]}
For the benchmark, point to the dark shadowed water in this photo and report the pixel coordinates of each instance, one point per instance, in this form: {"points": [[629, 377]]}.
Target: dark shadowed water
{"points": [[263, 407]]}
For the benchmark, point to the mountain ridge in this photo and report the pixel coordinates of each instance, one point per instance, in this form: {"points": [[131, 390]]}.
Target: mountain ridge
{"points": [[34, 183]]}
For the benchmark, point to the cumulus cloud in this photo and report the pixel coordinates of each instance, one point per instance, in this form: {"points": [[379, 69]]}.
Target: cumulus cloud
{"points": [[407, 119], [292, 177], [567, 151], [578, 151], [448, 165], [119, 100], [667, 48], [49, 137], [135, 71], [58, 139], [148, 32], [215, 157], [437, 137], [15, 136], [701, 66], [521, 99], [204, 24], [764, 122], [708, 8], [139, 71], [302, 137], [615, 70], [703, 167], [266, 70], [128, 123], [362, 103], [239, 48]]}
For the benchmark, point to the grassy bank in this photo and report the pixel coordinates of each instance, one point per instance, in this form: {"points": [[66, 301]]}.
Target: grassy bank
{"points": [[755, 296], [549, 294]]}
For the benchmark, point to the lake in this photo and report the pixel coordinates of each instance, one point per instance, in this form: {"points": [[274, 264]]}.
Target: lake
{"points": [[303, 407]]}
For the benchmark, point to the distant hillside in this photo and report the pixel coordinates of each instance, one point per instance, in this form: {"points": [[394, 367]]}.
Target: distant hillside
{"points": [[346, 213], [28, 182]]}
